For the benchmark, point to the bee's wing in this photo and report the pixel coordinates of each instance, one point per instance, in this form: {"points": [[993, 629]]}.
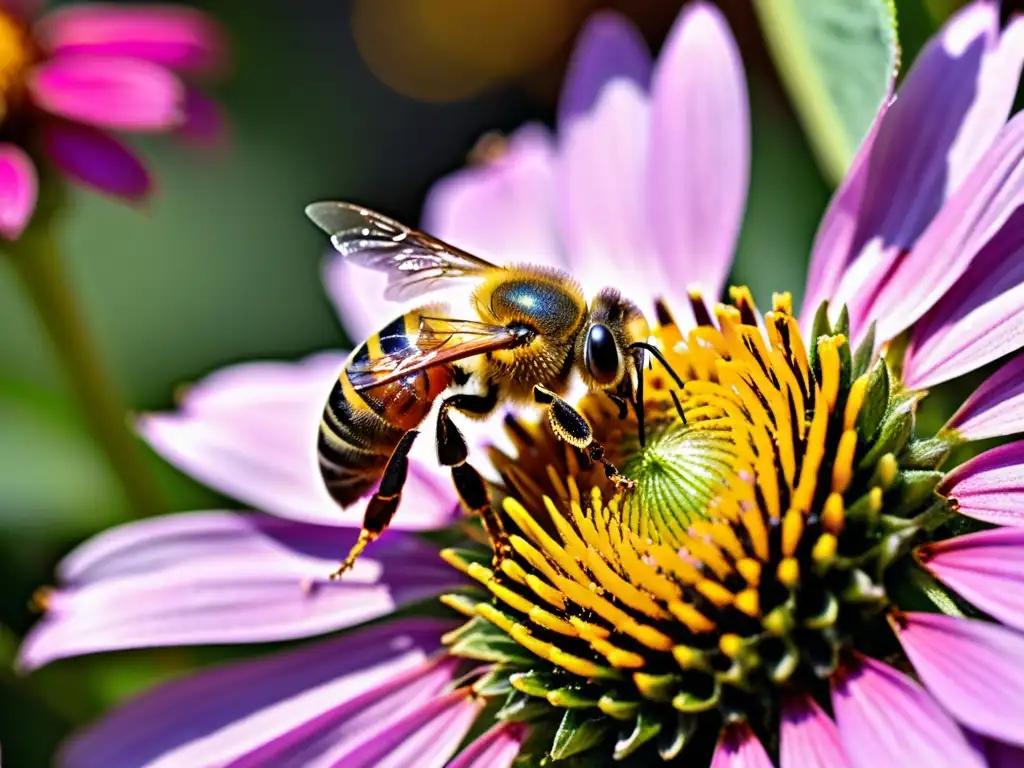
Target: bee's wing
{"points": [[441, 340], [413, 261]]}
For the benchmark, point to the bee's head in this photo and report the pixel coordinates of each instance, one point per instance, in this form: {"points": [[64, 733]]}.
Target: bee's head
{"points": [[603, 353]]}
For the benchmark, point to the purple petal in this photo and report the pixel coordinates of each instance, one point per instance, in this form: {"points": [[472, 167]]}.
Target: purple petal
{"points": [[990, 487], [982, 206], [503, 207], [209, 577], [346, 688], [173, 36], [996, 408], [496, 748], [738, 747], [249, 431], [808, 736], [979, 320], [955, 98], [609, 48], [425, 738], [1001, 755], [117, 93], [699, 160], [975, 669], [601, 196], [886, 719], [832, 251], [18, 188], [96, 159], [986, 568], [204, 122]]}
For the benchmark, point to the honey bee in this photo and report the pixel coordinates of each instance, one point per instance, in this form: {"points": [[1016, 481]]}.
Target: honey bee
{"points": [[533, 330]]}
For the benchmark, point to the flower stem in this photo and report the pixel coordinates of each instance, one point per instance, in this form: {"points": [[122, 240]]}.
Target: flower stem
{"points": [[36, 259]]}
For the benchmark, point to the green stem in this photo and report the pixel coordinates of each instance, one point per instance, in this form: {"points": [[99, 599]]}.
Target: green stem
{"points": [[37, 262]]}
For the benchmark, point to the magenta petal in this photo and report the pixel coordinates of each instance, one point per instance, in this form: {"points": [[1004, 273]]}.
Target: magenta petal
{"points": [[974, 668], [501, 208], [699, 155], [609, 47], [496, 748], [979, 320], [209, 577], [990, 487], [24, 10], [986, 568], [117, 93], [249, 431], [886, 720], [738, 747], [808, 737], [347, 688], [174, 36], [18, 189], [204, 122], [996, 408], [96, 159]]}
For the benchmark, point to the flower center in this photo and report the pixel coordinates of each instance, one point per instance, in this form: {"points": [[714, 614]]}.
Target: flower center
{"points": [[774, 492], [17, 53]]}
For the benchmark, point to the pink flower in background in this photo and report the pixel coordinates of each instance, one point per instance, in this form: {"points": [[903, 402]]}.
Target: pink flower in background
{"points": [[636, 169], [72, 78]]}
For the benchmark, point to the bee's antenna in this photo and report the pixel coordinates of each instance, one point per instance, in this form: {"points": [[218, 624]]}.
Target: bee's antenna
{"points": [[638, 396], [656, 353]]}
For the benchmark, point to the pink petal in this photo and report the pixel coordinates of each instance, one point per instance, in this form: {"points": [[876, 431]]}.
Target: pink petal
{"points": [[699, 156], [496, 748], [886, 720], [996, 408], [344, 689], [833, 251], [173, 36], [119, 93], [975, 669], [249, 431], [609, 47], [986, 568], [738, 747], [979, 320], [970, 219], [96, 159], [204, 121], [808, 736], [601, 196], [18, 188], [990, 487], [503, 207], [208, 577]]}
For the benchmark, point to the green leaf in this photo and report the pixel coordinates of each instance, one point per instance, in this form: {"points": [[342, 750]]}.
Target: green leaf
{"points": [[837, 59], [579, 731]]}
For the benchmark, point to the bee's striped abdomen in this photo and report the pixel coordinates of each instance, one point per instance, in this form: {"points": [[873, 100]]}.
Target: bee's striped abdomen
{"points": [[361, 428]]}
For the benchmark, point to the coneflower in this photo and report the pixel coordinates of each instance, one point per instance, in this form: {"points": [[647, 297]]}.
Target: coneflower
{"points": [[798, 576]]}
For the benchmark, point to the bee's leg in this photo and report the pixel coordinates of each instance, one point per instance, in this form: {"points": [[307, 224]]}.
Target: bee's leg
{"points": [[382, 505], [571, 426], [452, 452]]}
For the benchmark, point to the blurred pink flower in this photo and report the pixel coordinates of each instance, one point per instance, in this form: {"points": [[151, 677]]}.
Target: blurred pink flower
{"points": [[71, 77], [650, 161]]}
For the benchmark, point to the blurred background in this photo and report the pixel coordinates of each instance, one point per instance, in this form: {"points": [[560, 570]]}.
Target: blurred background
{"points": [[366, 100]]}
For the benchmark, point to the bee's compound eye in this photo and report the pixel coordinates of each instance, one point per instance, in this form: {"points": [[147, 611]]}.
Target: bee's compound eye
{"points": [[601, 354]]}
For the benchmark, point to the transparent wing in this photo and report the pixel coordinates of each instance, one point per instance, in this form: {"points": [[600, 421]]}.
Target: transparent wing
{"points": [[413, 261], [441, 340]]}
